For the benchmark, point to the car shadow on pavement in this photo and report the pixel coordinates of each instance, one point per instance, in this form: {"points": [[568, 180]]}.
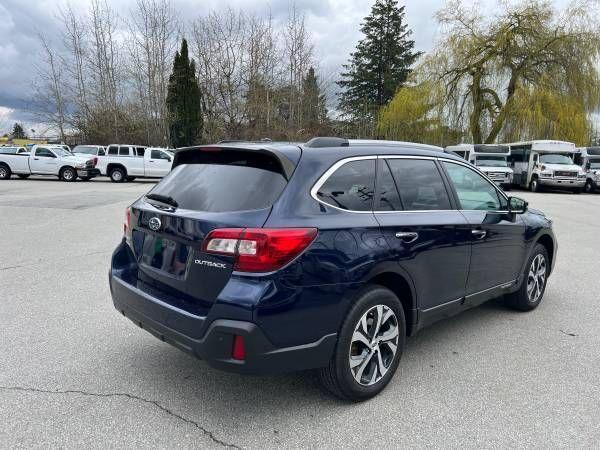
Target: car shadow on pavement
{"points": [[192, 387]]}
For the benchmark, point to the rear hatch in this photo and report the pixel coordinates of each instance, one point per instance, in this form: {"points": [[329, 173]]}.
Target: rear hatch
{"points": [[208, 188]]}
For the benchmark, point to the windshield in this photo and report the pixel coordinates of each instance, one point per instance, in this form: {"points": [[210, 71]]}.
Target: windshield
{"points": [[556, 158], [85, 149], [491, 161], [595, 164], [61, 151]]}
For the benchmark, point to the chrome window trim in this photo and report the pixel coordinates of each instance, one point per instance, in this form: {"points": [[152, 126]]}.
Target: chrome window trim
{"points": [[323, 178]]}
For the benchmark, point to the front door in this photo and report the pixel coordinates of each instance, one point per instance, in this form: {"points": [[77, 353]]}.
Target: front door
{"points": [[44, 161], [159, 164], [497, 236], [427, 236]]}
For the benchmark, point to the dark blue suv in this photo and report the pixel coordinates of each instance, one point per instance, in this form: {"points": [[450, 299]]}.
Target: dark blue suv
{"points": [[263, 257]]}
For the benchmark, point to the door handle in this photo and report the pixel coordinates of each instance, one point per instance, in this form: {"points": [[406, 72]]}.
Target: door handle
{"points": [[479, 234], [407, 236], [36, 159]]}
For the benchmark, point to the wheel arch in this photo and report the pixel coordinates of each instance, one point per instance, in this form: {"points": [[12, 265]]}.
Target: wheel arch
{"points": [[400, 284], [113, 166], [548, 242]]}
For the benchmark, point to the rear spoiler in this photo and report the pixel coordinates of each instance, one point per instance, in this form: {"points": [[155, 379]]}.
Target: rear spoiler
{"points": [[209, 153]]}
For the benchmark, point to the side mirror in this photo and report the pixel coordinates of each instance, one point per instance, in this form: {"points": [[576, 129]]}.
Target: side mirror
{"points": [[517, 205]]}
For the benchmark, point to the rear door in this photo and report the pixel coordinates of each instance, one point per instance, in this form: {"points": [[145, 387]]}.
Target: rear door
{"points": [[426, 234], [498, 238], [221, 189]]}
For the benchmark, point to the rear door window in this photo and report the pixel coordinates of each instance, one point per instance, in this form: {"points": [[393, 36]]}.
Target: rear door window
{"points": [[124, 151], [224, 182], [351, 187], [113, 150], [420, 184], [389, 199]]}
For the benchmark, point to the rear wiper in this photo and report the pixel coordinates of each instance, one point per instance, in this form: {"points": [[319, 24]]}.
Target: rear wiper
{"points": [[163, 199]]}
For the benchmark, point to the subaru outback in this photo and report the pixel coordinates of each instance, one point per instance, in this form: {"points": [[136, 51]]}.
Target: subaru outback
{"points": [[263, 258]]}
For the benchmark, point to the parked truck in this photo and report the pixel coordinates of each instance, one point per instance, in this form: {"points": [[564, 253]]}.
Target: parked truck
{"points": [[127, 162], [47, 160], [589, 159], [491, 159], [538, 164]]}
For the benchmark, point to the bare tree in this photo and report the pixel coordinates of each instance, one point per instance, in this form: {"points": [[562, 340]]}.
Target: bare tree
{"points": [[50, 98], [154, 28]]}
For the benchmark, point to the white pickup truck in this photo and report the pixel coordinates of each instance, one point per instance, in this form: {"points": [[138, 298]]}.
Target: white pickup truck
{"points": [[48, 160], [128, 162]]}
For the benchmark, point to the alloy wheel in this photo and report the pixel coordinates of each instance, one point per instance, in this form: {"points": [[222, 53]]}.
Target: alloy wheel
{"points": [[374, 344], [3, 172], [536, 279]]}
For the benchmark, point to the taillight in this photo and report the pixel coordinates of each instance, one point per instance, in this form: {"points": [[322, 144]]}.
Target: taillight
{"points": [[127, 224], [259, 249]]}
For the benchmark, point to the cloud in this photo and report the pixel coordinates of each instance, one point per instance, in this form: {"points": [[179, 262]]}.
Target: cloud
{"points": [[334, 26]]}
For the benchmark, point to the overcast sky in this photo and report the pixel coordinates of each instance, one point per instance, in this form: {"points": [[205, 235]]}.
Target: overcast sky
{"points": [[334, 25]]}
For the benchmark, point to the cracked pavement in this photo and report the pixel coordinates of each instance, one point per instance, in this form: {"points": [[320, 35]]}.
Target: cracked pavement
{"points": [[74, 373]]}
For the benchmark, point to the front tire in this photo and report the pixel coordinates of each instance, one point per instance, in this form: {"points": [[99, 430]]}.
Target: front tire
{"points": [[535, 278], [117, 175], [68, 174], [369, 347], [534, 186]]}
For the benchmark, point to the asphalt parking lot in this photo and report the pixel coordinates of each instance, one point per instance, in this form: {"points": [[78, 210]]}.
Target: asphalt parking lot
{"points": [[74, 373]]}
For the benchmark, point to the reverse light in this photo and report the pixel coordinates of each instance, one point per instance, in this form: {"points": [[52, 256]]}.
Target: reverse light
{"points": [[259, 249]]}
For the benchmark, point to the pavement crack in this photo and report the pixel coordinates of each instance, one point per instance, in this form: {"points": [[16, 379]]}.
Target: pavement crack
{"points": [[154, 403], [568, 333]]}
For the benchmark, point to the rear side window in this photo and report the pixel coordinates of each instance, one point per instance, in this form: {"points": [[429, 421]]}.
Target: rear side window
{"points": [[420, 184], [227, 181], [351, 186]]}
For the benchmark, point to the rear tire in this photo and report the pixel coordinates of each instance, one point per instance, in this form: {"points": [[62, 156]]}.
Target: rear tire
{"points": [[533, 286], [5, 172], [23, 176], [68, 174], [118, 175], [369, 346]]}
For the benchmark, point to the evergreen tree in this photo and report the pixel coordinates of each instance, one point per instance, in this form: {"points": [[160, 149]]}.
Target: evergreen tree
{"points": [[18, 132], [381, 62], [314, 110], [184, 101]]}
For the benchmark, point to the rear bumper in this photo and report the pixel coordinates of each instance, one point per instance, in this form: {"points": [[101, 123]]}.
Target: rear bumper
{"points": [[91, 173], [215, 345]]}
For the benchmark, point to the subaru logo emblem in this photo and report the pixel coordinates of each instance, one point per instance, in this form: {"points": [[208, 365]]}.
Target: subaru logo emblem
{"points": [[154, 224]]}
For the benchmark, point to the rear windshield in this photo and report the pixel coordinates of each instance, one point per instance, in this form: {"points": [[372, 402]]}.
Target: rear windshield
{"points": [[227, 185]]}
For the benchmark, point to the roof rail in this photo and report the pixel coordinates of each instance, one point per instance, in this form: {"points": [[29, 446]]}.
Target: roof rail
{"points": [[319, 142], [237, 141]]}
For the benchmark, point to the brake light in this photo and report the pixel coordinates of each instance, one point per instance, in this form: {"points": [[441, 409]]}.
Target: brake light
{"points": [[127, 224], [259, 249]]}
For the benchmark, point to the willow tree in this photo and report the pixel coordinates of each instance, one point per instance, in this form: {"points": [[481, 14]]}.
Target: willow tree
{"points": [[494, 66], [415, 115]]}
